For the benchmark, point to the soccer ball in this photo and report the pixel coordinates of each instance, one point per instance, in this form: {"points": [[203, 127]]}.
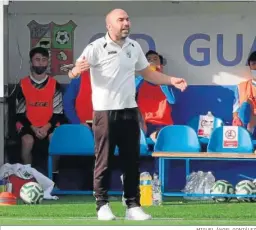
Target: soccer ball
{"points": [[32, 193], [62, 37], [246, 187], [222, 187]]}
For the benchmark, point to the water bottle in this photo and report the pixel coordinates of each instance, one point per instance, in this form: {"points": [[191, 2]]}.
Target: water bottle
{"points": [[199, 183], [123, 199], [209, 124], [146, 189], [206, 181], [157, 194], [209, 114], [209, 182], [193, 184], [190, 185]]}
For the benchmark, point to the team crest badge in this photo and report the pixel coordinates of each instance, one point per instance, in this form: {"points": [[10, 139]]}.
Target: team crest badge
{"points": [[129, 54], [58, 39]]}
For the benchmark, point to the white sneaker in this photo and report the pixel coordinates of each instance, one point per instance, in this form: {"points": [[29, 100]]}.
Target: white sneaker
{"points": [[136, 213], [105, 213]]}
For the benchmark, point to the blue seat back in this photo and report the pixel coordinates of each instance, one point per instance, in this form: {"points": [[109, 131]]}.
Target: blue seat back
{"points": [[245, 144], [194, 123], [72, 139], [177, 138]]}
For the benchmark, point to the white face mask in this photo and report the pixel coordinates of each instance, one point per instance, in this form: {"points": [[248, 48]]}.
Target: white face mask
{"points": [[253, 72]]}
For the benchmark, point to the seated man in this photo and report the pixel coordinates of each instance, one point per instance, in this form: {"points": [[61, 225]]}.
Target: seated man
{"points": [[38, 104], [244, 108], [154, 101], [77, 100]]}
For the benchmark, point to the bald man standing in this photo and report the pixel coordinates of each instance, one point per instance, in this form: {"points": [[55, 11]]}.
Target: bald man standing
{"points": [[113, 60]]}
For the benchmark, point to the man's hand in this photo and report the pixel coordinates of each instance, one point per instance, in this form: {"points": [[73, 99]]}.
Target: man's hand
{"points": [[179, 83], [37, 132], [44, 130], [80, 67], [41, 132]]}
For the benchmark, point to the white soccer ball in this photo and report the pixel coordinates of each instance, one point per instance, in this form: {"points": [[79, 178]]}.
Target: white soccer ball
{"points": [[222, 187], [246, 187], [32, 193], [62, 37]]}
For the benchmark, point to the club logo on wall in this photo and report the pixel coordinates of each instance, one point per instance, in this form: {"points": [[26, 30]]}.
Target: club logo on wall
{"points": [[58, 39]]}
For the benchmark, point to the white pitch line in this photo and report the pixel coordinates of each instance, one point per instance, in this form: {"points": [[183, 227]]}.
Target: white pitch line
{"points": [[74, 218], [121, 218]]}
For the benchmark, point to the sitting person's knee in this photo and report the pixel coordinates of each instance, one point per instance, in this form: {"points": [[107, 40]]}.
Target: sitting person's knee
{"points": [[27, 140]]}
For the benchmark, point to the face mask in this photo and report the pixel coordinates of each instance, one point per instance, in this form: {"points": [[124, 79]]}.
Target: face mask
{"points": [[152, 67], [155, 67], [39, 69]]}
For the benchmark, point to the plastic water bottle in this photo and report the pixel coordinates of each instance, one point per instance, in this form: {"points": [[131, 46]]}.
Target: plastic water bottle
{"points": [[206, 181], [209, 114], [157, 194], [123, 199], [199, 183], [190, 180], [209, 182], [210, 118], [195, 184], [146, 193], [209, 127], [190, 185]]}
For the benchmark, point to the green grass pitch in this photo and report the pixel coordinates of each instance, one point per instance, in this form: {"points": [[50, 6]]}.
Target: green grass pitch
{"points": [[80, 210]]}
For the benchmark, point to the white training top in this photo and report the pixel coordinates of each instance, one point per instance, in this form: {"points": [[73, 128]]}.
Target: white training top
{"points": [[112, 70]]}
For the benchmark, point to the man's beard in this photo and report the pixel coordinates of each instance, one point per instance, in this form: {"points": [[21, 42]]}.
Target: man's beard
{"points": [[124, 35]]}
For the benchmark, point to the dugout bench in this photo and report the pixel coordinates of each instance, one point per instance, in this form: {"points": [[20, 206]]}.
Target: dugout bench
{"points": [[188, 157]]}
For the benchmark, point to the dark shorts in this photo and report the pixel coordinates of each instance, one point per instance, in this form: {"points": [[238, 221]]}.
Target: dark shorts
{"points": [[28, 130]]}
